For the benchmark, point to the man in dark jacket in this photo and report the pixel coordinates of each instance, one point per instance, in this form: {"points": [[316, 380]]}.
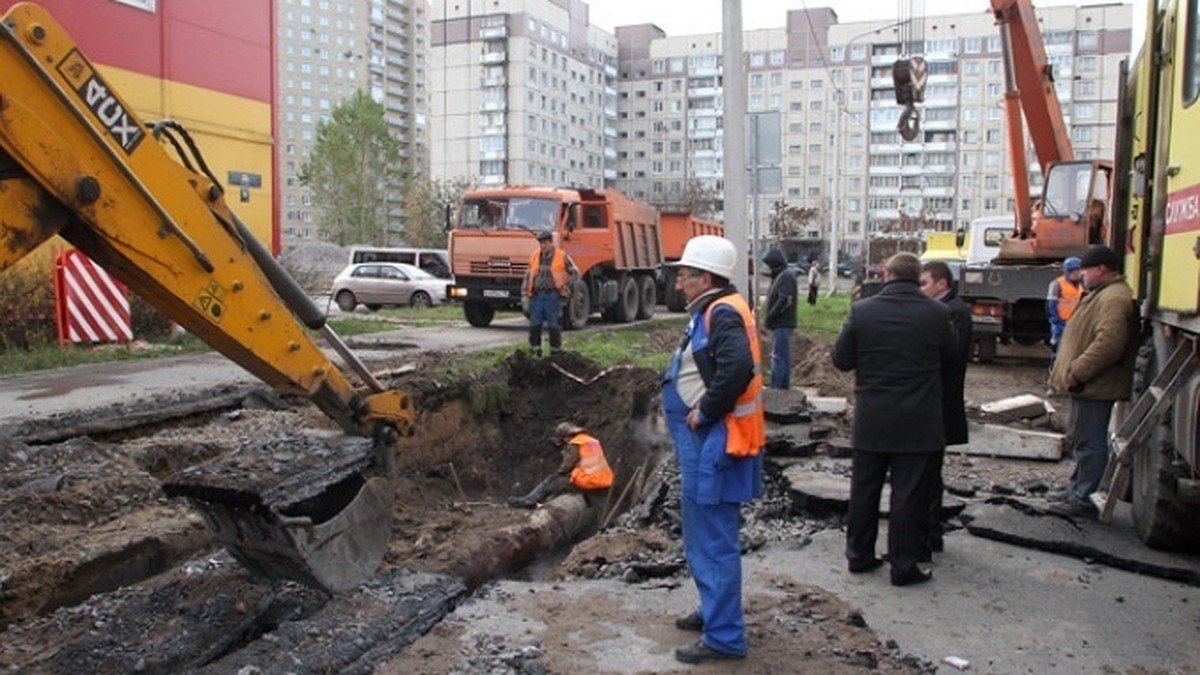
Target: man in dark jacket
{"points": [[781, 318], [1095, 365], [937, 282], [896, 342]]}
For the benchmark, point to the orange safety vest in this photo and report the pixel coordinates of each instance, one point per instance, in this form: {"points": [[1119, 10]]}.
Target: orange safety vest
{"points": [[592, 472], [746, 426], [1068, 297], [558, 270]]}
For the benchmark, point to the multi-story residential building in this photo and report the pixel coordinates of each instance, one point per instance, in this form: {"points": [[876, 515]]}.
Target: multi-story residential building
{"points": [[328, 50], [832, 85], [522, 92]]}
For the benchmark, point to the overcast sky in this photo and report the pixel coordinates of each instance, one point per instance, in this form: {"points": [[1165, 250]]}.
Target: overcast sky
{"points": [[684, 17]]}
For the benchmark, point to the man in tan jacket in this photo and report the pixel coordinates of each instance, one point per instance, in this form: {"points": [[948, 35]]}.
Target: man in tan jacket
{"points": [[1095, 366]]}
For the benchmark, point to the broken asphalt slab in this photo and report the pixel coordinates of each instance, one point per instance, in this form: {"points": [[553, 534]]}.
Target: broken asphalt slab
{"points": [[1027, 523]]}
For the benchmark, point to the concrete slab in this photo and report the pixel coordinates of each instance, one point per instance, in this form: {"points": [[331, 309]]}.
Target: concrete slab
{"points": [[829, 405], [1025, 406], [1027, 523], [993, 440]]}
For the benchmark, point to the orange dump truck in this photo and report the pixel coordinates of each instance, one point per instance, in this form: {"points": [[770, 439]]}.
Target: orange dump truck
{"points": [[614, 241], [677, 229]]}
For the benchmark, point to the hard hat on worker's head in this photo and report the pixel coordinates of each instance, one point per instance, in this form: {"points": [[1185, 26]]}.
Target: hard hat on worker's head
{"points": [[1071, 264], [565, 429], [711, 254], [545, 235]]}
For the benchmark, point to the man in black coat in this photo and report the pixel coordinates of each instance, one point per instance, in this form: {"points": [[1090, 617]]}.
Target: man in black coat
{"points": [[895, 342], [937, 282], [781, 318]]}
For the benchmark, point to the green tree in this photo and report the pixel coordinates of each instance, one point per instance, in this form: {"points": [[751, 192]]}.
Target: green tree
{"points": [[426, 203], [353, 171]]}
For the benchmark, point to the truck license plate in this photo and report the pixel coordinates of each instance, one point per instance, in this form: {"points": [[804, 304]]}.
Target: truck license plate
{"points": [[489, 293]]}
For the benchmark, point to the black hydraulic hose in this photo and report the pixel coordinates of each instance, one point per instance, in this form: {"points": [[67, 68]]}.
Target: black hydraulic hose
{"points": [[289, 291]]}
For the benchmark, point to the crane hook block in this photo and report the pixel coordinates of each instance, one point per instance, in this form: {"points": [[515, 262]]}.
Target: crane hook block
{"points": [[909, 125]]}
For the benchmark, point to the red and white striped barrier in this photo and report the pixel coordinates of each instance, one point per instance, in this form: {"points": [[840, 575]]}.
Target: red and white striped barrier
{"points": [[91, 305]]}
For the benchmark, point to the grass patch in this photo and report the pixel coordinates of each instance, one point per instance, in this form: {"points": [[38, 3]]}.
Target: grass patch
{"points": [[631, 345], [53, 357], [824, 320]]}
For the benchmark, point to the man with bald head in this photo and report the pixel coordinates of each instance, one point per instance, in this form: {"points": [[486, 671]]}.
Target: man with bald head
{"points": [[896, 342]]}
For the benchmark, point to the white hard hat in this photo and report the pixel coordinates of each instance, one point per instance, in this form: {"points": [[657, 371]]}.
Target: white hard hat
{"points": [[711, 254]]}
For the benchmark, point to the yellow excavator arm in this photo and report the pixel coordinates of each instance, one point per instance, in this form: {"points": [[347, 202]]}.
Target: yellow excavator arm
{"points": [[76, 161]]}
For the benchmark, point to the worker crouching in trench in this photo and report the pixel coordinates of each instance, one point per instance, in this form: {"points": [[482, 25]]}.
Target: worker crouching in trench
{"points": [[583, 470]]}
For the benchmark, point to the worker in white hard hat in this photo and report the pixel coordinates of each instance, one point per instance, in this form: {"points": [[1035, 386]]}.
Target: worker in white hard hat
{"points": [[712, 401]]}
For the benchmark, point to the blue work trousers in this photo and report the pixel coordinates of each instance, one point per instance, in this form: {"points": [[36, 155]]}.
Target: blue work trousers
{"points": [[545, 308], [781, 358], [710, 537], [1088, 431]]}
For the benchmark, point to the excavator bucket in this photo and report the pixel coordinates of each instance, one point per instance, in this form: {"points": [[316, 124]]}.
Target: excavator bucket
{"points": [[300, 508]]}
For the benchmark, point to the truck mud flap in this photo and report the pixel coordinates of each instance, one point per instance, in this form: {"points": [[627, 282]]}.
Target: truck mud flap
{"points": [[325, 525]]}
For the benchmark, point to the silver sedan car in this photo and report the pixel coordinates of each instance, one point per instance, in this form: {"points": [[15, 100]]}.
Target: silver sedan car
{"points": [[379, 284]]}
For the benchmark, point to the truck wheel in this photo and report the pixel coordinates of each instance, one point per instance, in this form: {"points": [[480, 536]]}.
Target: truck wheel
{"points": [[647, 296], [579, 307], [986, 349], [1161, 520], [479, 314], [346, 301], [626, 308]]}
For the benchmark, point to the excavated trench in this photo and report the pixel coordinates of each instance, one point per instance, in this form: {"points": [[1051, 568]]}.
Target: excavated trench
{"points": [[100, 572]]}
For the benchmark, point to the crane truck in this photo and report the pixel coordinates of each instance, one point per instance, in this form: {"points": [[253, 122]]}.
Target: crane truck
{"points": [[1007, 295], [77, 162], [613, 240]]}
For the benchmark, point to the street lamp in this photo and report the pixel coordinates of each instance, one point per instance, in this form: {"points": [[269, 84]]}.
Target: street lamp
{"points": [[839, 150]]}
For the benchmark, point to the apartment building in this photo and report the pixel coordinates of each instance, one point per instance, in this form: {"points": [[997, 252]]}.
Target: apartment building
{"points": [[832, 85], [522, 92], [328, 50]]}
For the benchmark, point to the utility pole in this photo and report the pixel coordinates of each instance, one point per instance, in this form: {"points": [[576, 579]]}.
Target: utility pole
{"points": [[734, 137]]}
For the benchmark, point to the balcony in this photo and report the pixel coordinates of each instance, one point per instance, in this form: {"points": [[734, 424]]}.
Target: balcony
{"points": [[491, 180], [882, 82], [492, 154], [884, 214], [704, 112], [942, 146], [702, 133], [610, 174], [610, 153], [610, 132], [497, 81], [883, 170], [704, 71], [939, 125], [492, 106], [610, 71], [610, 113], [704, 92], [493, 58], [937, 192], [494, 33], [493, 130], [712, 152]]}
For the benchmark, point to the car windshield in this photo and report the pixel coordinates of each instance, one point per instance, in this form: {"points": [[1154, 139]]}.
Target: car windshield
{"points": [[514, 213]]}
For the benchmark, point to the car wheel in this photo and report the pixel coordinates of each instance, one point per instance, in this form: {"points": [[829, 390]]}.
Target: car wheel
{"points": [[420, 299], [346, 301]]}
